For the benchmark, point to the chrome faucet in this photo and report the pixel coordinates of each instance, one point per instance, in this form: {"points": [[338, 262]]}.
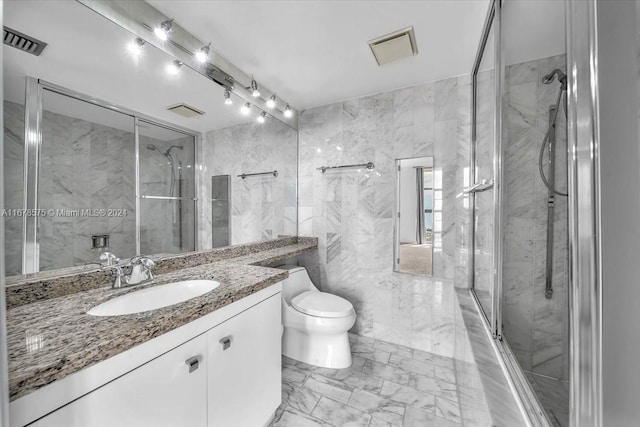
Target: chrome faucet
{"points": [[141, 272]]}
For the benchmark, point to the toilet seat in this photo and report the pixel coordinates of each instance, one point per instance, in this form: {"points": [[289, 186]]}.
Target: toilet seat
{"points": [[322, 304]]}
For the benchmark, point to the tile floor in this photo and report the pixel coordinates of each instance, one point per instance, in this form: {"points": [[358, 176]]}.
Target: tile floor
{"points": [[554, 397], [387, 385]]}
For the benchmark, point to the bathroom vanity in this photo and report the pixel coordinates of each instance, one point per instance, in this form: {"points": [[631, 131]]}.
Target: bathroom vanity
{"points": [[211, 360]]}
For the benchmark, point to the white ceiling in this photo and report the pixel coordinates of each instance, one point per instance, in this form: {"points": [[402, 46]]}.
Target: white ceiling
{"points": [[87, 53], [310, 52], [315, 52]]}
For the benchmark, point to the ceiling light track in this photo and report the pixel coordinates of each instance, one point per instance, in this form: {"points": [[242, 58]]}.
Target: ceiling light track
{"points": [[142, 20]]}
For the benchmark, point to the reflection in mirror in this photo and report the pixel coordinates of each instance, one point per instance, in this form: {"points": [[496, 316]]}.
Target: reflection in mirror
{"points": [[220, 210], [111, 137], [415, 215]]}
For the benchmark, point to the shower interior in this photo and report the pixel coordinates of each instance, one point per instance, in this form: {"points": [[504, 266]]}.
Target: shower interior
{"points": [[173, 182], [535, 264]]}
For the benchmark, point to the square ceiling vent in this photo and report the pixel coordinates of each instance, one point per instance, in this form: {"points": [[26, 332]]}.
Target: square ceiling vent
{"points": [[394, 46], [185, 110]]}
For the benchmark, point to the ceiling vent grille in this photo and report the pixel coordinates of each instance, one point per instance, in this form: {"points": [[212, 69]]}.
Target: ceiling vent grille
{"points": [[23, 42], [185, 110], [394, 46]]}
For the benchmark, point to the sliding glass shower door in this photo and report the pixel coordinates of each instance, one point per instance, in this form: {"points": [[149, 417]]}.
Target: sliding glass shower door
{"points": [[481, 192], [167, 186], [98, 178]]}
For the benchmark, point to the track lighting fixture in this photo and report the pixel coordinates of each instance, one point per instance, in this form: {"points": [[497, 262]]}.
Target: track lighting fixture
{"points": [[262, 117], [246, 108], [227, 97], [287, 111], [162, 32], [254, 88], [174, 67], [271, 102], [135, 47], [203, 53]]}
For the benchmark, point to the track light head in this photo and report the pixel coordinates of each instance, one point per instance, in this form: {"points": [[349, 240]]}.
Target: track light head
{"points": [[287, 111], [271, 102], [254, 88], [227, 97], [135, 47], [262, 117], [203, 53], [246, 108], [174, 67], [162, 32]]}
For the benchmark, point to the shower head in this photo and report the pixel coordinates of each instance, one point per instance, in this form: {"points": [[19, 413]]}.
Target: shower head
{"points": [[562, 78], [179, 147]]}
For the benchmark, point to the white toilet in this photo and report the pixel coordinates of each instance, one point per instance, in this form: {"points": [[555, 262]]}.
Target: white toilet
{"points": [[315, 323]]}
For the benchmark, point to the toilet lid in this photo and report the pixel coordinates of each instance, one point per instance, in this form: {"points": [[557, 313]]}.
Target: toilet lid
{"points": [[322, 304]]}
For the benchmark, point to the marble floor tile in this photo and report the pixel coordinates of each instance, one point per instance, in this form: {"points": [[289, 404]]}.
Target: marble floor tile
{"points": [[327, 387], [411, 388], [338, 414]]}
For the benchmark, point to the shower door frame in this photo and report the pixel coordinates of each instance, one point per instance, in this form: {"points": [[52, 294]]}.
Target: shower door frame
{"points": [[492, 21], [585, 252], [34, 89]]}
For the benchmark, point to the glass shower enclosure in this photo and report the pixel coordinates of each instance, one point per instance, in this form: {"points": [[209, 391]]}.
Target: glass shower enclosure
{"points": [[519, 223], [101, 178]]}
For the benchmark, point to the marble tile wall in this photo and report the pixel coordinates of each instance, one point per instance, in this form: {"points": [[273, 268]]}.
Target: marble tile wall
{"points": [[350, 211], [262, 207], [84, 165], [90, 166], [13, 179], [535, 327]]}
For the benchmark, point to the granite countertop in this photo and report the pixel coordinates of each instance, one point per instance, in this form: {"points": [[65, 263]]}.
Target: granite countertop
{"points": [[51, 338]]}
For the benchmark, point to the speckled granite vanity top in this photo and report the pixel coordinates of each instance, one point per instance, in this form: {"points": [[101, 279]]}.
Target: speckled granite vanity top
{"points": [[50, 335]]}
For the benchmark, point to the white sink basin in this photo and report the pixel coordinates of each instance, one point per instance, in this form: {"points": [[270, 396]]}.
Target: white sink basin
{"points": [[154, 298]]}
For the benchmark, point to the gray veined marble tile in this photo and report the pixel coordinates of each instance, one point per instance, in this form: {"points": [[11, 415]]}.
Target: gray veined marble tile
{"points": [[377, 406], [298, 397], [327, 387], [291, 417], [448, 409], [394, 349], [339, 414], [433, 386], [408, 396], [386, 372], [412, 365]]}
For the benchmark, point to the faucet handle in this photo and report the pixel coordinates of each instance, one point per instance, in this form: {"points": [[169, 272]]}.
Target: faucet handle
{"points": [[108, 258], [117, 273]]}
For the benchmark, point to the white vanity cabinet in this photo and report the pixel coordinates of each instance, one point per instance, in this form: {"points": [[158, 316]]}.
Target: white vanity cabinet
{"points": [[168, 391], [244, 374], [227, 374]]}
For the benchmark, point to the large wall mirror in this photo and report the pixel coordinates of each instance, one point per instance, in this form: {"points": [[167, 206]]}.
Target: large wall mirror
{"points": [[415, 209], [117, 147]]}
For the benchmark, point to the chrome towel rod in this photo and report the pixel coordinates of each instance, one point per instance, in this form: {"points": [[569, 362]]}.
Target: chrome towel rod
{"points": [[244, 175], [369, 166]]}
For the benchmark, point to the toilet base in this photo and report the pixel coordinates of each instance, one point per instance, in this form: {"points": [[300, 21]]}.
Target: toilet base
{"points": [[324, 350]]}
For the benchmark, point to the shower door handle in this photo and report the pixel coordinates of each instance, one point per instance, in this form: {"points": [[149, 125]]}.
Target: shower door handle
{"points": [[479, 187]]}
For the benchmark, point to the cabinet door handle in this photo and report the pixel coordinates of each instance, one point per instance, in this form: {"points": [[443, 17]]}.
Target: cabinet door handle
{"points": [[226, 342], [193, 363]]}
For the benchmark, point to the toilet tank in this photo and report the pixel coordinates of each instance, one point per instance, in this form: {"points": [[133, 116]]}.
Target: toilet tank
{"points": [[297, 282]]}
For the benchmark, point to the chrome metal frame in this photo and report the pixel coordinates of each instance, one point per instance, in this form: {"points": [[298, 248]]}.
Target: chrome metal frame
{"points": [[489, 21], [585, 256], [31, 171], [4, 375], [33, 144]]}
